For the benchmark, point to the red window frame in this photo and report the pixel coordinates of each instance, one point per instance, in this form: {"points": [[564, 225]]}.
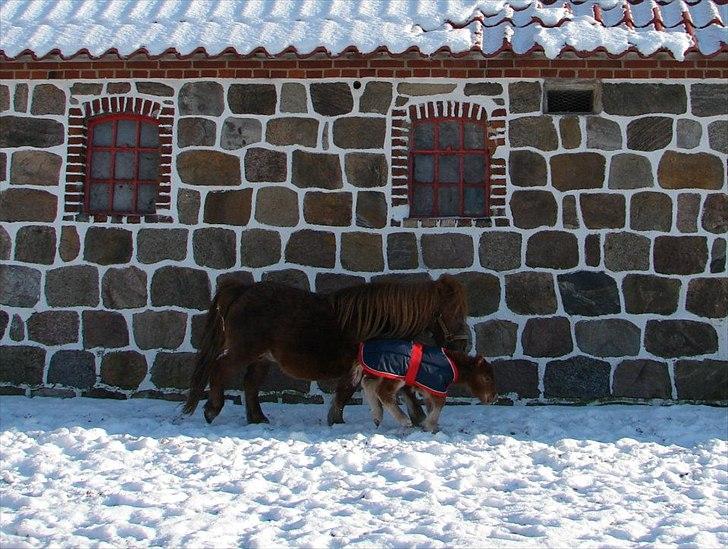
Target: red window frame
{"points": [[136, 182], [460, 153]]}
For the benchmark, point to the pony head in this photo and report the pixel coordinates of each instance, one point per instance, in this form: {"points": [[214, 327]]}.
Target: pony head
{"points": [[483, 381]]}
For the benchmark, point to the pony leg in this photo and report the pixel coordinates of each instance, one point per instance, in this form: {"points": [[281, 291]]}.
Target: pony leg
{"points": [[387, 393], [251, 383], [413, 407], [436, 404], [345, 388], [369, 385]]}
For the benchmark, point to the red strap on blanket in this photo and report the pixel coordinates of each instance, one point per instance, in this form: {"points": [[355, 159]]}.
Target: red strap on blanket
{"points": [[414, 364]]}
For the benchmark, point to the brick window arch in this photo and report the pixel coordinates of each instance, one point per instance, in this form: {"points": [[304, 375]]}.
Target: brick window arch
{"points": [[122, 164], [119, 160], [449, 163]]}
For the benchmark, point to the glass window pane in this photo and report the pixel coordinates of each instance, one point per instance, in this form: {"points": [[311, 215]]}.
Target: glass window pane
{"points": [[449, 135], [126, 133], [422, 200], [474, 201], [98, 199], [449, 169], [124, 165], [474, 169], [150, 135], [425, 137], [449, 200], [102, 134], [123, 197], [101, 165], [147, 198], [424, 168], [149, 166], [474, 136]]}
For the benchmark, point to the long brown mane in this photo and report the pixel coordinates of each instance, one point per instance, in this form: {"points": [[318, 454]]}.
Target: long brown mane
{"points": [[399, 309]]}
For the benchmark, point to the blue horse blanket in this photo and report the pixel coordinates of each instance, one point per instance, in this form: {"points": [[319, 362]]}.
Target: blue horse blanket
{"points": [[428, 368]]}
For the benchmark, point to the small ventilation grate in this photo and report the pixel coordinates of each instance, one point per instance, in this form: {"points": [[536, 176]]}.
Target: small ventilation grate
{"points": [[570, 101]]}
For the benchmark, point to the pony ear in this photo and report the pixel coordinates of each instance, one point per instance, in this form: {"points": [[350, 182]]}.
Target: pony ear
{"points": [[450, 286]]}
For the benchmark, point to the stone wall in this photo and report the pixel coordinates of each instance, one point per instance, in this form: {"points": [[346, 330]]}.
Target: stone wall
{"points": [[604, 277]]}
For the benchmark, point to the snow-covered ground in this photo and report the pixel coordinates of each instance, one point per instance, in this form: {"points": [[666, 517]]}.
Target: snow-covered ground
{"points": [[104, 473]]}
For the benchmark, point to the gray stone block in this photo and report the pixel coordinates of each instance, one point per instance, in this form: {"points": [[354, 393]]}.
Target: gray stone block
{"points": [[35, 168], [124, 288], [182, 287], [35, 244], [240, 132], [531, 293], [19, 286], [74, 286], [577, 378], [644, 379], [252, 98], [497, 338], [680, 338], [22, 364], [608, 337], [104, 329], [72, 369], [123, 369], [53, 327], [159, 329], [205, 98], [589, 293]]}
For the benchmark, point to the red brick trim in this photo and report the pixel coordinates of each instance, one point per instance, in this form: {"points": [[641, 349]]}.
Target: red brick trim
{"points": [[380, 65], [496, 123], [76, 155]]}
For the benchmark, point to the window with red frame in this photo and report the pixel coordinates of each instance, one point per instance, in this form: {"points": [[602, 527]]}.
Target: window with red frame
{"points": [[448, 168], [122, 169]]}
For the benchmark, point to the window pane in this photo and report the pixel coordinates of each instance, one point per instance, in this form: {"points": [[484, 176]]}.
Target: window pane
{"points": [[425, 137], [474, 170], [124, 165], [149, 166], [474, 136], [424, 168], [449, 169], [474, 201], [101, 165], [102, 134], [98, 199], [123, 197], [449, 201], [147, 198], [150, 135], [422, 200], [449, 135], [126, 133]]}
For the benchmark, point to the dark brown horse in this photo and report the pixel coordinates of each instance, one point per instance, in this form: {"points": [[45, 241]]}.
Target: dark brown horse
{"points": [[473, 371], [312, 336]]}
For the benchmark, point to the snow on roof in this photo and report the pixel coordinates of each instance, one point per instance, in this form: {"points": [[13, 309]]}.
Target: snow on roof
{"points": [[154, 27]]}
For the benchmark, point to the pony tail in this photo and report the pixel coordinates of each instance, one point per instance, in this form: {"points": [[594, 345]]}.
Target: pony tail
{"points": [[212, 342]]}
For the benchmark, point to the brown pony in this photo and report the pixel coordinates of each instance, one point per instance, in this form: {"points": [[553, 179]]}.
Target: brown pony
{"points": [[312, 336], [249, 325], [380, 392]]}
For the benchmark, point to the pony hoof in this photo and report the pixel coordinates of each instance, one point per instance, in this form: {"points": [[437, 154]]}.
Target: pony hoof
{"points": [[334, 418], [376, 423], [210, 415], [261, 419]]}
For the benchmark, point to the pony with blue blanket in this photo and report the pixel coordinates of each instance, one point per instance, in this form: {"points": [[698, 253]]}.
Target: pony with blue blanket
{"points": [[390, 365]]}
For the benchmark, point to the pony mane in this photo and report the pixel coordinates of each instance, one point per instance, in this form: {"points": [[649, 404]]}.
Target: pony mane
{"points": [[397, 309]]}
